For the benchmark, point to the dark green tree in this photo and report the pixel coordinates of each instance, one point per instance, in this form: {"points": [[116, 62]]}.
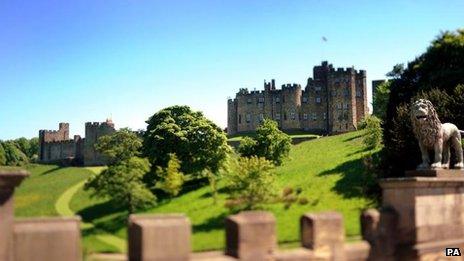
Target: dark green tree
{"points": [[2, 155], [380, 100], [14, 156], [269, 142], [119, 146], [197, 142], [122, 183]]}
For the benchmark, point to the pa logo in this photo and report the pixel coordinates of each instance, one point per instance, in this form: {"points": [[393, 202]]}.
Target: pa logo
{"points": [[452, 251]]}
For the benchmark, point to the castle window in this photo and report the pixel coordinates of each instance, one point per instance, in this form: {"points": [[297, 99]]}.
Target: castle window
{"points": [[261, 117], [339, 106], [240, 119], [314, 116], [346, 126], [325, 115], [318, 99], [345, 106], [358, 93], [249, 100], [285, 116], [305, 116], [283, 99], [260, 99], [277, 116], [334, 93], [292, 115], [346, 92], [248, 118], [305, 99], [277, 100], [317, 88]]}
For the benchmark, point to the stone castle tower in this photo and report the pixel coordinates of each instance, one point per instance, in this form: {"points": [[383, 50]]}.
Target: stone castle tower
{"points": [[56, 147], [333, 101]]}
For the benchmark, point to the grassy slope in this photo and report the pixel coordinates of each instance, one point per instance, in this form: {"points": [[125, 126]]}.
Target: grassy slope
{"points": [[37, 195], [327, 169]]}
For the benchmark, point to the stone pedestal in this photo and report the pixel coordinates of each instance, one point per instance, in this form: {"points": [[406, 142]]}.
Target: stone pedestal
{"points": [[47, 239], [159, 237], [251, 235], [9, 180], [430, 210], [323, 233]]}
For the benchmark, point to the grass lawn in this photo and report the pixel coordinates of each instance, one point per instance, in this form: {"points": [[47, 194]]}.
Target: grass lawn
{"points": [[38, 193], [328, 170], [293, 135]]}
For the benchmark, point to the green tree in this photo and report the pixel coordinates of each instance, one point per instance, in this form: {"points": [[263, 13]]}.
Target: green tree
{"points": [[269, 142], [123, 184], [198, 143], [33, 152], [380, 100], [2, 155], [14, 156], [251, 183], [396, 72], [373, 136], [171, 178], [119, 146]]}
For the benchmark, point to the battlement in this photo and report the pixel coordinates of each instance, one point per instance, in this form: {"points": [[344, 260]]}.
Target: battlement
{"points": [[344, 70], [60, 142]]}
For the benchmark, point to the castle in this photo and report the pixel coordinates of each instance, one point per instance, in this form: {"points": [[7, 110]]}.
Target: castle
{"points": [[334, 101], [55, 146]]}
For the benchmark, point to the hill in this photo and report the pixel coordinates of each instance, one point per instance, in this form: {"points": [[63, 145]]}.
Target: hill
{"points": [[329, 170]]}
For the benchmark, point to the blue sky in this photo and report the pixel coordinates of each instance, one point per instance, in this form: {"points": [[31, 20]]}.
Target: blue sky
{"points": [[78, 61]]}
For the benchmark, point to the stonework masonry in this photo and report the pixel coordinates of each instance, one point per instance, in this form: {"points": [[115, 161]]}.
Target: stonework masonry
{"points": [[55, 146], [333, 101]]}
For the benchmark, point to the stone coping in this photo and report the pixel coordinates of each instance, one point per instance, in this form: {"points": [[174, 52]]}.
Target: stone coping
{"points": [[421, 182], [48, 219], [11, 178], [439, 173], [430, 247]]}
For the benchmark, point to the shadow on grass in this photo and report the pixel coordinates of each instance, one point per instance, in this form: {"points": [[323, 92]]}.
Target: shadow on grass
{"points": [[353, 138], [361, 150], [113, 218], [51, 170], [212, 223], [352, 179]]}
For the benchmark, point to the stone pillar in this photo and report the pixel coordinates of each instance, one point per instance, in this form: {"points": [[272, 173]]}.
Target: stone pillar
{"points": [[430, 213], [9, 180], [380, 230], [159, 237], [47, 239], [324, 233], [251, 235]]}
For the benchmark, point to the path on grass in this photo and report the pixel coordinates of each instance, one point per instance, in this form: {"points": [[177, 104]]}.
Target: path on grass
{"points": [[63, 209]]}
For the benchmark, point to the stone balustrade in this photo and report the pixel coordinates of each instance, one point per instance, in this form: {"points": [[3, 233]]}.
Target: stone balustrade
{"points": [[419, 218]]}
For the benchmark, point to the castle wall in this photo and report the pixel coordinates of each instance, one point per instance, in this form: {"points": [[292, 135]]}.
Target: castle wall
{"points": [[361, 96], [58, 150]]}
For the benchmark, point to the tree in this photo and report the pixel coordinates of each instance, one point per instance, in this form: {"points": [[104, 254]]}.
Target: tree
{"points": [[33, 152], [14, 156], [198, 143], [437, 74], [269, 142], [251, 183], [119, 146], [122, 183], [171, 178], [373, 136], [380, 100], [2, 155], [396, 72]]}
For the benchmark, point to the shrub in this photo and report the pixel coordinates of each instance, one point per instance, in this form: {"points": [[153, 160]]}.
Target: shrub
{"points": [[171, 178], [373, 136], [251, 183]]}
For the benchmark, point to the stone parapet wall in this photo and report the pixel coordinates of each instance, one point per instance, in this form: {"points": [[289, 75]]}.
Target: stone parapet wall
{"points": [[418, 219]]}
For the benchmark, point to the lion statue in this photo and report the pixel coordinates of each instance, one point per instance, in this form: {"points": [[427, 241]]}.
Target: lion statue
{"points": [[433, 135]]}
